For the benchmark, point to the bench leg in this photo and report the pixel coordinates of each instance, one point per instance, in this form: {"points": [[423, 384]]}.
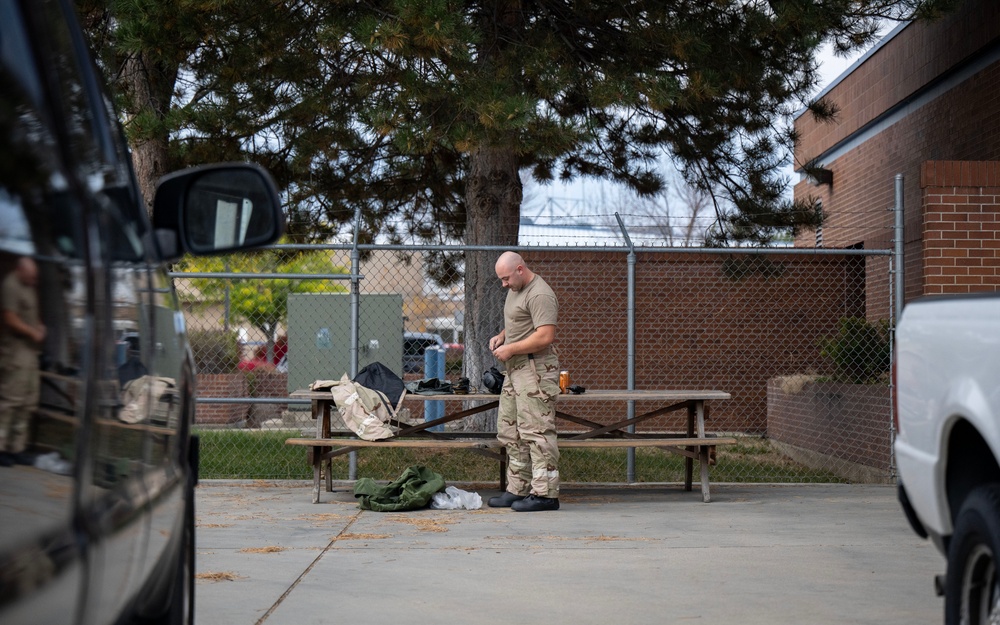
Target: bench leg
{"points": [[688, 461], [317, 465], [688, 471], [703, 462], [320, 412]]}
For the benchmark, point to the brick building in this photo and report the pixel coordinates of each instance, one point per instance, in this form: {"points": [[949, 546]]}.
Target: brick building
{"points": [[925, 103]]}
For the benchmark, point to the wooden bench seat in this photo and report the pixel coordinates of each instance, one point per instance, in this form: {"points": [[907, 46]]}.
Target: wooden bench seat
{"points": [[481, 443], [701, 449]]}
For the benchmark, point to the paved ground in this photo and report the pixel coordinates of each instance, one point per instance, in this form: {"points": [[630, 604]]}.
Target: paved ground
{"points": [[803, 555]]}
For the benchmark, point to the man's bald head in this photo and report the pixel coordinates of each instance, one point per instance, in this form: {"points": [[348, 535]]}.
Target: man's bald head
{"points": [[27, 271], [509, 261], [512, 271]]}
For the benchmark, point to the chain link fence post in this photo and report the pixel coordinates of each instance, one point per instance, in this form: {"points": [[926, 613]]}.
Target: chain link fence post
{"points": [[630, 358]]}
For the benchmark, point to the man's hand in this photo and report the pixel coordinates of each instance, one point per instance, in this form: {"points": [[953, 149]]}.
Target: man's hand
{"points": [[15, 323], [503, 353], [496, 341]]}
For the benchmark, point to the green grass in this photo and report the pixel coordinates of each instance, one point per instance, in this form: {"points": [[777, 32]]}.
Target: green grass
{"points": [[256, 454], [251, 454]]}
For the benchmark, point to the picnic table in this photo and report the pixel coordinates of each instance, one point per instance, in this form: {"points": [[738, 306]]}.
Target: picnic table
{"points": [[694, 443]]}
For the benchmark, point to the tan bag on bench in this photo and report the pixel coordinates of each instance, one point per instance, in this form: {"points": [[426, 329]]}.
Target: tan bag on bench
{"points": [[364, 411], [137, 395]]}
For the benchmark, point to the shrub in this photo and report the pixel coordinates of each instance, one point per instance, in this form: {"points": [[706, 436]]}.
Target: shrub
{"points": [[860, 350], [215, 351]]}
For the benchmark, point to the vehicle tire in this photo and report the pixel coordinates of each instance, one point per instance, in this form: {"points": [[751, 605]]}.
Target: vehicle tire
{"points": [[182, 608], [972, 587]]}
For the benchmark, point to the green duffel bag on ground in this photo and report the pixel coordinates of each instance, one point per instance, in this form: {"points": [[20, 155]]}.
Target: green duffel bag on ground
{"points": [[412, 490]]}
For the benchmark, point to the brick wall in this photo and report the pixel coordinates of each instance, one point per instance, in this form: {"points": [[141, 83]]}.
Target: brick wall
{"points": [[848, 422], [915, 57], [961, 229], [264, 384], [221, 385], [961, 124], [703, 321], [857, 206]]}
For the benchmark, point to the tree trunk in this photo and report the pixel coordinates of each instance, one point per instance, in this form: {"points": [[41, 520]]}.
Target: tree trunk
{"points": [[150, 87], [493, 198], [149, 158]]}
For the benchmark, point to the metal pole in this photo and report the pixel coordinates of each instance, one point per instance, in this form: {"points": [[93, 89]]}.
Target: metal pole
{"points": [[898, 298], [352, 470], [630, 476], [226, 303], [355, 295], [898, 255]]}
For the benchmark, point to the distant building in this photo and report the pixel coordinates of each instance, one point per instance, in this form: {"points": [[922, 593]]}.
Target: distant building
{"points": [[570, 232]]}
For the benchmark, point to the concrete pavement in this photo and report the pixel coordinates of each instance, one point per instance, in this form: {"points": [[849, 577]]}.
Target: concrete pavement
{"points": [[769, 554]]}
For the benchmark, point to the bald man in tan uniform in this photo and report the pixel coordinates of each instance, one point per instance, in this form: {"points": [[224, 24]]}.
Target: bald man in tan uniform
{"points": [[21, 336], [527, 413]]}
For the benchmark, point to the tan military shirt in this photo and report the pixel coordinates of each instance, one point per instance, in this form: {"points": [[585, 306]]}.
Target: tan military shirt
{"points": [[531, 307], [22, 300]]}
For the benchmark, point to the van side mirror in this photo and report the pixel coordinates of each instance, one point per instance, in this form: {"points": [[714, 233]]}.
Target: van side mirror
{"points": [[216, 209]]}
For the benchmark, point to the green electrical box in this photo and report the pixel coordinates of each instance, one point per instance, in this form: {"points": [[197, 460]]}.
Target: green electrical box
{"points": [[319, 335]]}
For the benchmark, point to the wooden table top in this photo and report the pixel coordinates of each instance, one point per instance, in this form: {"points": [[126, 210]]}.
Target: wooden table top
{"points": [[600, 395]]}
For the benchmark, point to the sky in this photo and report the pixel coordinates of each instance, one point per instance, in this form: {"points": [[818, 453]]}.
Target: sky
{"points": [[579, 196]]}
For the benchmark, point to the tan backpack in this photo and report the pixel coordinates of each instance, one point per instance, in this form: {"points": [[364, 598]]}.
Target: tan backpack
{"points": [[136, 397], [364, 411]]}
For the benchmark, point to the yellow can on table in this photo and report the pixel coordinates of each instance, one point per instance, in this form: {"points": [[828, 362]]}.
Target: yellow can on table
{"points": [[564, 381]]}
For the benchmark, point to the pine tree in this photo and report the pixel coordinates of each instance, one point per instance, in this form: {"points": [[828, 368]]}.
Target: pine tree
{"points": [[425, 111]]}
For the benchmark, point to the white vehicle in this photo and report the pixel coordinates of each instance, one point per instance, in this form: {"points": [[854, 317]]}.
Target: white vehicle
{"points": [[947, 378]]}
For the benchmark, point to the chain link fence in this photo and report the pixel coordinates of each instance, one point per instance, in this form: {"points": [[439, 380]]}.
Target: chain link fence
{"points": [[799, 338]]}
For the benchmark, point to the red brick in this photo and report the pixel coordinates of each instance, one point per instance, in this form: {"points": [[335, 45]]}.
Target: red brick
{"points": [[983, 271]]}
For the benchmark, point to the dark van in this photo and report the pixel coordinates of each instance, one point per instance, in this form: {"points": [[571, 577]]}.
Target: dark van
{"points": [[97, 462]]}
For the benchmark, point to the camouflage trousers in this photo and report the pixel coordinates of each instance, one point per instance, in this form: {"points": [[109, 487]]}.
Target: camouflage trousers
{"points": [[526, 425], [19, 387]]}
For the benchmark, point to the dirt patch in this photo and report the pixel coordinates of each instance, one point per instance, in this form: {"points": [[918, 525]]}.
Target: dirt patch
{"points": [[214, 525], [319, 518], [252, 517], [603, 538], [218, 576], [423, 524], [363, 536], [262, 549]]}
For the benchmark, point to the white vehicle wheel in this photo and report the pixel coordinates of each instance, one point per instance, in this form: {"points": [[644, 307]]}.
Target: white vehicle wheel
{"points": [[972, 589]]}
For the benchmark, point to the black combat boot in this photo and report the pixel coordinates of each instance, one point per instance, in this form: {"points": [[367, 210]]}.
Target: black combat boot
{"points": [[534, 503], [504, 501]]}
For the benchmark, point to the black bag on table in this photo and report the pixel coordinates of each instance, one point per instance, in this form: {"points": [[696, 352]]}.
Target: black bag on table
{"points": [[378, 377]]}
